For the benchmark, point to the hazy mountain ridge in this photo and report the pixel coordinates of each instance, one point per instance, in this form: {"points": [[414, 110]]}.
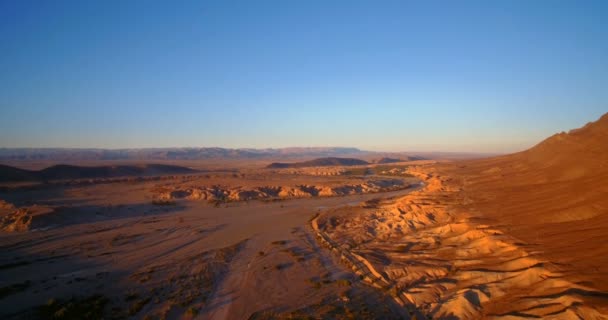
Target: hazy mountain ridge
{"points": [[66, 154]]}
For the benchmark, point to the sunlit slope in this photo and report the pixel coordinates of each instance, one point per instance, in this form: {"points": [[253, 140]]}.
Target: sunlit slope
{"points": [[553, 196]]}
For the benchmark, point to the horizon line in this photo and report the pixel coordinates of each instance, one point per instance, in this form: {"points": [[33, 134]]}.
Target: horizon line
{"points": [[249, 148]]}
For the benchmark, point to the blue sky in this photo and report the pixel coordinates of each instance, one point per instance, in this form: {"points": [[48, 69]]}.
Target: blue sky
{"points": [[488, 76]]}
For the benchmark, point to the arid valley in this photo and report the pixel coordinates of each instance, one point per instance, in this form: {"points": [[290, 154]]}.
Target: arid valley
{"points": [[509, 237], [303, 160]]}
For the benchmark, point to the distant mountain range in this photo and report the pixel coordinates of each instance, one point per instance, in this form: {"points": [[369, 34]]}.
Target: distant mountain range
{"points": [[61, 154]]}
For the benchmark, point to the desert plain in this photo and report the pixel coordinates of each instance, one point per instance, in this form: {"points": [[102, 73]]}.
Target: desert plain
{"points": [[519, 236]]}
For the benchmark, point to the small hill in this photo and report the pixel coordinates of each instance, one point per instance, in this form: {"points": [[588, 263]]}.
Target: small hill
{"points": [[388, 160], [8, 173], [320, 162], [395, 157], [583, 150], [415, 158], [62, 172]]}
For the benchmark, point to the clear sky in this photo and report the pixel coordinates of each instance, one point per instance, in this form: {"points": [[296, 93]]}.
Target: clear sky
{"points": [[489, 76]]}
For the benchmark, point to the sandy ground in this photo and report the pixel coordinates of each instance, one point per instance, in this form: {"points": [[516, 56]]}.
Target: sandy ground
{"points": [[107, 247]]}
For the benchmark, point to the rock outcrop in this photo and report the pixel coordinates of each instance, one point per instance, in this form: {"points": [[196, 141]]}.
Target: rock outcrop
{"points": [[13, 219], [226, 193]]}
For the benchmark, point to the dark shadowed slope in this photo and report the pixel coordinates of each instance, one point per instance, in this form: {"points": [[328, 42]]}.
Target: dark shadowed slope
{"points": [[553, 196], [8, 173], [59, 172], [321, 162], [386, 160], [389, 160]]}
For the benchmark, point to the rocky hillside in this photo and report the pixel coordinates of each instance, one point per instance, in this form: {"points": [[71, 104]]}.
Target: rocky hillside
{"points": [[553, 195]]}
